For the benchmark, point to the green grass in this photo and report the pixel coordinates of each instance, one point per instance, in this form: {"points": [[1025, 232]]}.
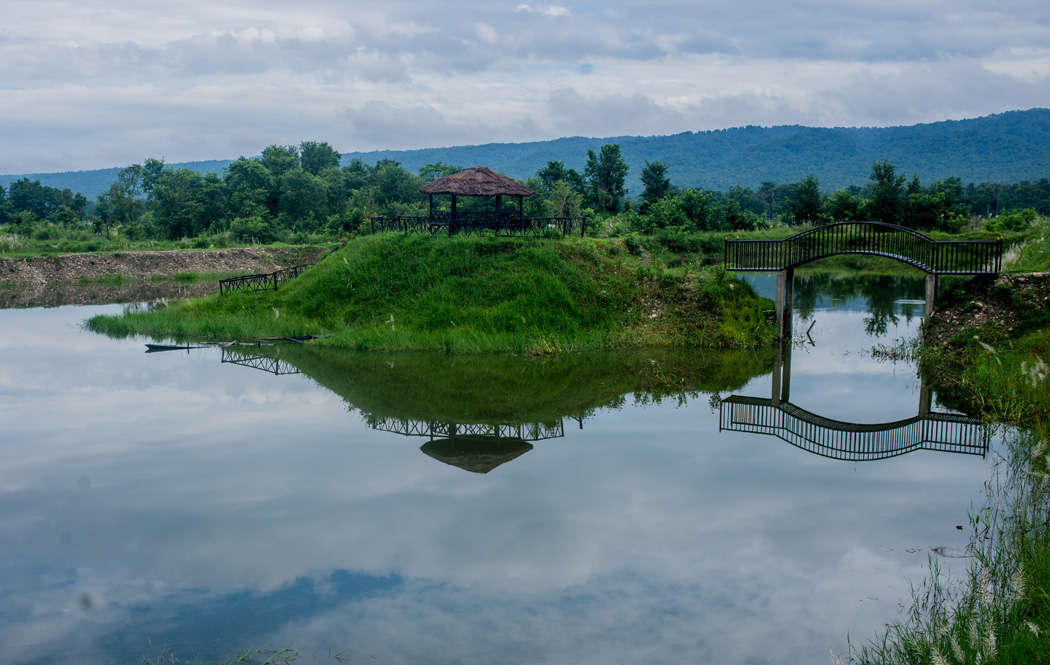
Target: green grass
{"points": [[1000, 611], [1033, 254], [467, 294]]}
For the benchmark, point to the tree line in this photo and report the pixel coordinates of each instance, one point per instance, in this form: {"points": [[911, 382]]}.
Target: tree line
{"points": [[294, 192]]}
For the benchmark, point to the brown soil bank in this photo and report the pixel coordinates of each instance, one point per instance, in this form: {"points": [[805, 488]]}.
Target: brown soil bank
{"points": [[42, 270], [1007, 302]]}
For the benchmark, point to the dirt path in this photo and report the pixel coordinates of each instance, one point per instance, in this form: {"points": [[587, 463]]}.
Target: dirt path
{"points": [[44, 270]]}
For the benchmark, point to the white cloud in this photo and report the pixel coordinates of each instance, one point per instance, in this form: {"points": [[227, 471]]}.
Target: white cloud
{"points": [[489, 71]]}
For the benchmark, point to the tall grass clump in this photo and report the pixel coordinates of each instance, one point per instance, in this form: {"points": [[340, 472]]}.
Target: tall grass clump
{"points": [[999, 611], [465, 294]]}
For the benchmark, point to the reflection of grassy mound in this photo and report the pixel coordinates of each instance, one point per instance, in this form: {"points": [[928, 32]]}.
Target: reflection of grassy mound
{"points": [[501, 389], [395, 292]]}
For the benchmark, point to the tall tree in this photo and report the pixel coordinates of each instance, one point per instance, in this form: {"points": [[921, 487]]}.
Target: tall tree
{"points": [[279, 159], [316, 157], [555, 171], [807, 202], [654, 178], [887, 194], [768, 193], [606, 173]]}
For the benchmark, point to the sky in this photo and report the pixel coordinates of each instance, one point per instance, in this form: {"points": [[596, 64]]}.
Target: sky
{"points": [[106, 83]]}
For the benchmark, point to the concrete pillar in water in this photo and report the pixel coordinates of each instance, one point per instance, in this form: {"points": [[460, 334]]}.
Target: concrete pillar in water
{"points": [[931, 293], [784, 301], [925, 398], [782, 373]]}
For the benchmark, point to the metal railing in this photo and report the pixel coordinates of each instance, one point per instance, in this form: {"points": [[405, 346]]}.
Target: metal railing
{"points": [[523, 431], [260, 281], [943, 432], [265, 363], [940, 257], [477, 223]]}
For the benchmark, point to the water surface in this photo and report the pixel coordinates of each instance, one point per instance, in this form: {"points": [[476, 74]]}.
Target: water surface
{"points": [[289, 497]]}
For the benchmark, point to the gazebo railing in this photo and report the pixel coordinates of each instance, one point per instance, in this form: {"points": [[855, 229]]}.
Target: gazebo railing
{"points": [[477, 223]]}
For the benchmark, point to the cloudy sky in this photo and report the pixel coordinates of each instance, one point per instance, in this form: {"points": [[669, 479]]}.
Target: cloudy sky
{"points": [[112, 82]]}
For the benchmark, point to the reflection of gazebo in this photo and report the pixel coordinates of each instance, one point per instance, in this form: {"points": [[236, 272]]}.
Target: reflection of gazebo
{"points": [[477, 181], [477, 454]]}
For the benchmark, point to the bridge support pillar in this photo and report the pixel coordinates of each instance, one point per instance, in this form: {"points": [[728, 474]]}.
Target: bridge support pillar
{"points": [[782, 374], [931, 293], [784, 301], [925, 398]]}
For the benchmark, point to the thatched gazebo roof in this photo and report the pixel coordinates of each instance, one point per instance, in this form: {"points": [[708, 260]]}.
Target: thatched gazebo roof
{"points": [[477, 181]]}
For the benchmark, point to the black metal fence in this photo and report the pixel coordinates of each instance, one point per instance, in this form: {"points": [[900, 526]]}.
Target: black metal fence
{"points": [[941, 257], [255, 361], [259, 282], [478, 223], [523, 431], [943, 432]]}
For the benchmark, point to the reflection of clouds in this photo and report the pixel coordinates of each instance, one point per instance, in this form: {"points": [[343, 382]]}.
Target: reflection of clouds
{"points": [[646, 532]]}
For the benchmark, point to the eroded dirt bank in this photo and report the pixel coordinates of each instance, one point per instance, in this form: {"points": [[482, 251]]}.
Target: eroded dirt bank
{"points": [[74, 267], [70, 279], [1004, 301]]}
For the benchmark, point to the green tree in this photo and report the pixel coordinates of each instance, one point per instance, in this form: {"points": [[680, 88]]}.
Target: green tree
{"points": [[176, 201], [315, 157], [845, 206], [437, 171], [302, 198], [249, 184], [605, 173], [556, 171], [279, 159], [886, 202], [657, 184], [768, 194], [807, 202]]}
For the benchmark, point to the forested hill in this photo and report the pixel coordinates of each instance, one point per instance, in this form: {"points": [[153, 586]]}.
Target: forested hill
{"points": [[1007, 147]]}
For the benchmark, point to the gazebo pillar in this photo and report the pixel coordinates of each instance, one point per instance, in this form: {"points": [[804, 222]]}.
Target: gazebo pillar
{"points": [[452, 221]]}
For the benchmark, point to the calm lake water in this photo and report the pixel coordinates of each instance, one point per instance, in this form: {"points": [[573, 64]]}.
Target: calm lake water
{"points": [[208, 502]]}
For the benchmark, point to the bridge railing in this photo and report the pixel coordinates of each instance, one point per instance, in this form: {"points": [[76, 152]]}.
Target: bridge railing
{"points": [[943, 432], [941, 257]]}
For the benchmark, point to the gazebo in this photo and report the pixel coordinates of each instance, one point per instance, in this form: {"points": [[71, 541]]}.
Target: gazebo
{"points": [[476, 181]]}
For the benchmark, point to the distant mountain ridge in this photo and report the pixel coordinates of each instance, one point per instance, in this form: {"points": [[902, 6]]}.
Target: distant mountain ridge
{"points": [[1005, 147]]}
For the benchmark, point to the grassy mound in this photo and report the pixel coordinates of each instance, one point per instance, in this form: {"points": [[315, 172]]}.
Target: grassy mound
{"points": [[395, 292]]}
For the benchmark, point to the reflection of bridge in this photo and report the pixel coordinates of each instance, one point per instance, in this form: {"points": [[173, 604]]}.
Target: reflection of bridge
{"points": [[265, 363], [934, 257], [943, 432], [777, 416]]}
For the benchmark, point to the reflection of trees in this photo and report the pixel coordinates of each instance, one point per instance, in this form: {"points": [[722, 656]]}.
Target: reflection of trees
{"points": [[881, 293], [481, 411]]}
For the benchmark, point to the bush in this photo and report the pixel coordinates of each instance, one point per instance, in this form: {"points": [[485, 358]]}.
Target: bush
{"points": [[1015, 220]]}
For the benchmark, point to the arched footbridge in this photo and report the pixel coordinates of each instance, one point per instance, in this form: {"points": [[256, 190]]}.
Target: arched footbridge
{"points": [[934, 257]]}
